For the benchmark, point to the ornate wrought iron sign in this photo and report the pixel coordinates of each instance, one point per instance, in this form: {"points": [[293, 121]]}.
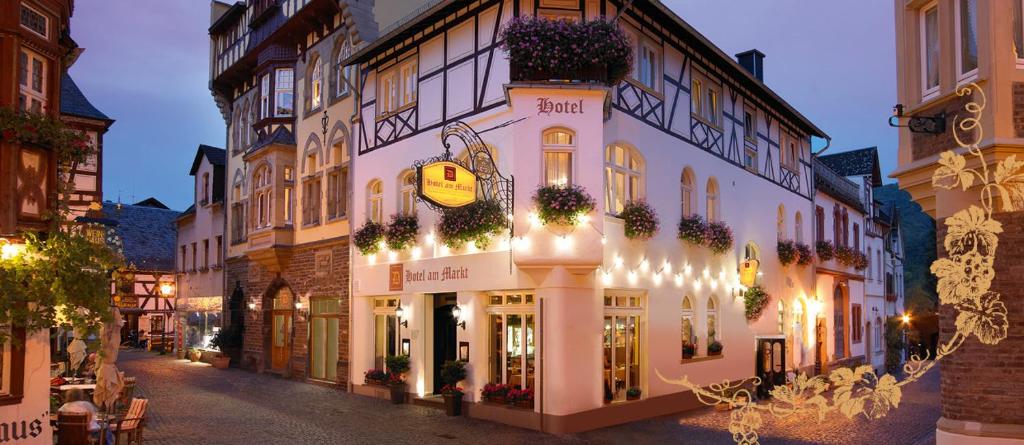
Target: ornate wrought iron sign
{"points": [[446, 184], [444, 181]]}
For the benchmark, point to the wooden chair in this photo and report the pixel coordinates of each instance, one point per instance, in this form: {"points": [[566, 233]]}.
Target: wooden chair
{"points": [[130, 426], [125, 398], [73, 429]]}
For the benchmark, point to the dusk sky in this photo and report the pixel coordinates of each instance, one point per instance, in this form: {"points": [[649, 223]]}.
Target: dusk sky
{"points": [[146, 66]]}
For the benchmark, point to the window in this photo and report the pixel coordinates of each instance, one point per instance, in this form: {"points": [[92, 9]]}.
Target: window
{"points": [[712, 200], [385, 330], [856, 237], [407, 193], [712, 313], [220, 247], [1018, 30], [789, 153], [342, 74], [819, 223], [749, 126], [712, 109], [751, 252], [870, 260], [705, 101], [837, 226], [32, 78], [206, 254], [206, 187], [696, 98], [284, 81], [846, 228], [265, 96], [236, 133], [375, 201], [878, 335], [622, 346], [559, 145], [388, 95], [195, 261], [856, 330], [337, 182], [782, 317], [688, 332], [688, 185], [398, 87], [35, 21], [647, 69], [12, 366], [261, 198], [929, 24], [967, 38], [311, 201], [249, 127], [623, 167], [325, 322], [780, 222], [511, 337], [408, 75], [798, 227], [315, 85], [183, 258], [750, 158]]}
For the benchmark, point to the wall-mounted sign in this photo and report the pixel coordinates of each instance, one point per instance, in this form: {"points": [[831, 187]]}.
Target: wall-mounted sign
{"points": [[18, 430], [395, 277], [547, 106], [748, 272], [447, 184]]}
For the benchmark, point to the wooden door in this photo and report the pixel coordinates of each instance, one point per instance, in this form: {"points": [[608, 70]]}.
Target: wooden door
{"points": [[280, 351], [821, 351]]}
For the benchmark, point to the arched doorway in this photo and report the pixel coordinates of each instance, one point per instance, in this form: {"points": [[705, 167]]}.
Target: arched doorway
{"points": [[279, 311], [839, 320]]}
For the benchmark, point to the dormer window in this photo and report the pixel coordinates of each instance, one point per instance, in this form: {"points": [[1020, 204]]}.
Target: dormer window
{"points": [[206, 188]]}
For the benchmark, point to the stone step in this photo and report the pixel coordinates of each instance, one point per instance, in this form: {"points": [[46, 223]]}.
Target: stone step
{"points": [[430, 401]]}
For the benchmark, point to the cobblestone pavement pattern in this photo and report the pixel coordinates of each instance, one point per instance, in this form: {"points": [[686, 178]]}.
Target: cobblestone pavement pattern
{"points": [[195, 404]]}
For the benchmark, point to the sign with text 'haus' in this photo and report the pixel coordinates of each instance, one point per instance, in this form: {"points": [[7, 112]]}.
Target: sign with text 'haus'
{"points": [[447, 184]]}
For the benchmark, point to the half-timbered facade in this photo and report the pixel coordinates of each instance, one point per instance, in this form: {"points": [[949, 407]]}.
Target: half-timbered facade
{"points": [[85, 196], [574, 313]]}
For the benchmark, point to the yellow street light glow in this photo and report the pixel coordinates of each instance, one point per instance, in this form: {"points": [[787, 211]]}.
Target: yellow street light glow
{"points": [[905, 318], [618, 262], [631, 277], [166, 288], [9, 250]]}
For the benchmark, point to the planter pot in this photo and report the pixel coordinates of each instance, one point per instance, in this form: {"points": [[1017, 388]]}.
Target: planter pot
{"points": [[221, 362], [629, 397], [687, 356], [527, 404], [496, 400], [715, 353], [375, 382], [453, 404], [398, 393], [194, 355]]}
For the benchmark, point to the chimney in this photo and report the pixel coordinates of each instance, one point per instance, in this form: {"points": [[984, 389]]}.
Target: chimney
{"points": [[753, 61]]}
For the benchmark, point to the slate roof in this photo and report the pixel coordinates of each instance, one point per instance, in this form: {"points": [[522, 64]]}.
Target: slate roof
{"points": [[217, 157], [147, 233], [832, 183], [280, 136], [74, 103], [860, 162]]}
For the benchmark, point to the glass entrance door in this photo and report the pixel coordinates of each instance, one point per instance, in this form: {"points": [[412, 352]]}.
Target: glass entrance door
{"points": [[622, 346]]}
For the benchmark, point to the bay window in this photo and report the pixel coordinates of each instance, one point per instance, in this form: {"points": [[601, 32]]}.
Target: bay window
{"points": [[511, 339], [559, 144], [622, 344], [284, 82], [261, 197], [265, 96], [623, 177]]}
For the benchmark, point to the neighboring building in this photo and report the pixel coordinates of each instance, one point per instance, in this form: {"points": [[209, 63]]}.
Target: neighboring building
{"points": [[77, 112], [36, 51], [146, 231], [581, 317], [942, 46], [200, 254]]}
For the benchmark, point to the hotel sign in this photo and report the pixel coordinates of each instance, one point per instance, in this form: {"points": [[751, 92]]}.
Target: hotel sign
{"points": [[446, 184]]}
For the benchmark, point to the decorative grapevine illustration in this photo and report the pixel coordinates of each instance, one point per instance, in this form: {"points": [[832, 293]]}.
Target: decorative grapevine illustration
{"points": [[964, 281]]}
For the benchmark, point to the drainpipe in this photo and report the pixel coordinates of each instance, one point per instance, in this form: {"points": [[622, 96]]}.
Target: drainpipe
{"points": [[814, 236]]}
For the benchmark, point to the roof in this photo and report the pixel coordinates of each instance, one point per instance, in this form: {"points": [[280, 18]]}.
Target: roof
{"points": [[859, 162], [191, 210], [74, 103], [151, 202], [216, 156], [147, 233], [280, 136], [835, 185], [436, 9]]}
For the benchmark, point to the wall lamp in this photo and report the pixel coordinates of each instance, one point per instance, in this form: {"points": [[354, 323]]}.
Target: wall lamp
{"points": [[935, 124], [400, 313], [302, 309], [457, 314]]}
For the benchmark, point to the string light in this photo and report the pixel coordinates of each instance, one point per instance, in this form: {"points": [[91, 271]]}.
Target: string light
{"points": [[656, 278], [644, 265], [631, 277], [392, 256], [696, 285], [679, 279], [430, 239], [604, 239], [563, 243], [471, 248], [416, 252], [687, 269], [667, 266], [618, 262], [606, 278]]}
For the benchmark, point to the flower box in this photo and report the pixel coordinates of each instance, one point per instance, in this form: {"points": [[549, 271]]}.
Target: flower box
{"points": [[541, 49], [520, 71], [496, 400]]}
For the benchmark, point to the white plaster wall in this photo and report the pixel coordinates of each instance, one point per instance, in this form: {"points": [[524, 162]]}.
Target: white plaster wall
{"points": [[28, 422]]}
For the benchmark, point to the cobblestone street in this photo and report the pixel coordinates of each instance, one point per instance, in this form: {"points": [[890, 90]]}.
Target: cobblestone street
{"points": [[196, 404]]}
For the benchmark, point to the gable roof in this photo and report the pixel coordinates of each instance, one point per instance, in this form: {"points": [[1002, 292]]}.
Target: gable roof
{"points": [[835, 185], [147, 233], [859, 162], [216, 156], [74, 103]]}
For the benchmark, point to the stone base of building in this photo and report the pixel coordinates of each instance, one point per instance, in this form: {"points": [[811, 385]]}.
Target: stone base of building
{"points": [[957, 432]]}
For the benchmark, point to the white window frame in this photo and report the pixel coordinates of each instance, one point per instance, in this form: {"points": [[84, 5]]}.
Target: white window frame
{"points": [[387, 96], [375, 201], [618, 311], [27, 89], [265, 96], [526, 307], [926, 91], [282, 90], [649, 73], [388, 309], [407, 193], [551, 148], [713, 200], [688, 192], [750, 128], [613, 170], [408, 76], [709, 315], [961, 76], [342, 74]]}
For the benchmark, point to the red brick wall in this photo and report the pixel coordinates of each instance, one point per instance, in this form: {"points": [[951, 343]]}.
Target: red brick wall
{"points": [[924, 144], [985, 383], [302, 279], [1018, 109]]}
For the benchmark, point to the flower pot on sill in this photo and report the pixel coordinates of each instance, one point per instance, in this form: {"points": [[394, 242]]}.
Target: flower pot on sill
{"points": [[398, 393], [453, 404]]}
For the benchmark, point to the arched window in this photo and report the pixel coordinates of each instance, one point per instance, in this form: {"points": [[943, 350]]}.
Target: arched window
{"points": [[337, 178], [238, 207], [712, 201], [236, 134], [407, 193], [751, 251], [688, 333], [342, 74], [559, 148], [782, 316], [712, 312], [780, 222], [623, 167], [261, 197], [250, 129], [688, 185], [375, 201], [315, 86], [798, 226]]}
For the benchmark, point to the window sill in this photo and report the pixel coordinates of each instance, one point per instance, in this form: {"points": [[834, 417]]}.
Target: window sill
{"points": [[703, 358], [336, 219], [705, 121], [645, 88], [388, 114], [10, 400]]}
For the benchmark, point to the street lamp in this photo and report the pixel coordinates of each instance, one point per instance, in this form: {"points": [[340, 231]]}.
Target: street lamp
{"points": [[905, 318], [400, 314], [166, 288], [9, 250]]}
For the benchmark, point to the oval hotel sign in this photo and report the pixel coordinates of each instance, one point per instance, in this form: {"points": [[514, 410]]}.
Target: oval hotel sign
{"points": [[447, 184]]}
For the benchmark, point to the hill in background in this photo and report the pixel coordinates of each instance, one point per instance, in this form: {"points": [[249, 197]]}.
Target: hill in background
{"points": [[919, 248]]}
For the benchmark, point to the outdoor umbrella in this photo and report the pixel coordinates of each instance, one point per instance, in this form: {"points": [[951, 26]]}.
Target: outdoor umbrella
{"points": [[76, 351], [109, 381]]}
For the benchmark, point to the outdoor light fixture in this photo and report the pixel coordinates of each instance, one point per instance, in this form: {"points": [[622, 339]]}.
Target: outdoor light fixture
{"points": [[166, 288], [9, 250], [252, 305], [905, 318], [919, 124], [400, 313], [457, 314]]}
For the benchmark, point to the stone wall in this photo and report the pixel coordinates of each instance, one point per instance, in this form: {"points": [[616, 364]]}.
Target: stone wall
{"points": [[985, 383], [924, 144]]}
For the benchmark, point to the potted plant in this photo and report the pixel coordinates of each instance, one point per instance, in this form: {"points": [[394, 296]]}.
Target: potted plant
{"points": [[755, 299], [398, 365], [587, 51], [521, 398], [689, 350], [563, 205], [640, 220], [803, 254], [475, 223], [846, 256], [787, 252], [692, 229], [375, 377], [194, 354], [453, 372], [369, 238], [226, 340], [718, 237], [401, 232], [633, 393], [715, 348], [494, 393]]}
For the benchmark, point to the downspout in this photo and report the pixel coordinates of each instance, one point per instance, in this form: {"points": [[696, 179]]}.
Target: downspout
{"points": [[814, 236], [356, 99]]}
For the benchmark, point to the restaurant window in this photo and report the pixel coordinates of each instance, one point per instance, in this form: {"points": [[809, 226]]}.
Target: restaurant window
{"points": [[856, 330], [929, 25], [559, 147], [12, 365], [202, 321], [967, 39], [512, 340], [623, 177], [688, 187], [407, 193], [32, 76], [712, 201], [265, 96], [385, 330], [315, 90], [622, 344], [325, 322], [284, 83], [375, 201], [687, 323]]}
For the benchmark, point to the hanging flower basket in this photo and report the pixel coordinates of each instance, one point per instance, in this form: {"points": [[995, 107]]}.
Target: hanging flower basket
{"points": [[369, 237], [693, 230], [541, 49], [803, 254], [562, 204], [825, 250], [860, 261], [846, 256], [755, 299], [475, 223], [401, 231], [787, 252], [641, 221], [718, 238]]}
